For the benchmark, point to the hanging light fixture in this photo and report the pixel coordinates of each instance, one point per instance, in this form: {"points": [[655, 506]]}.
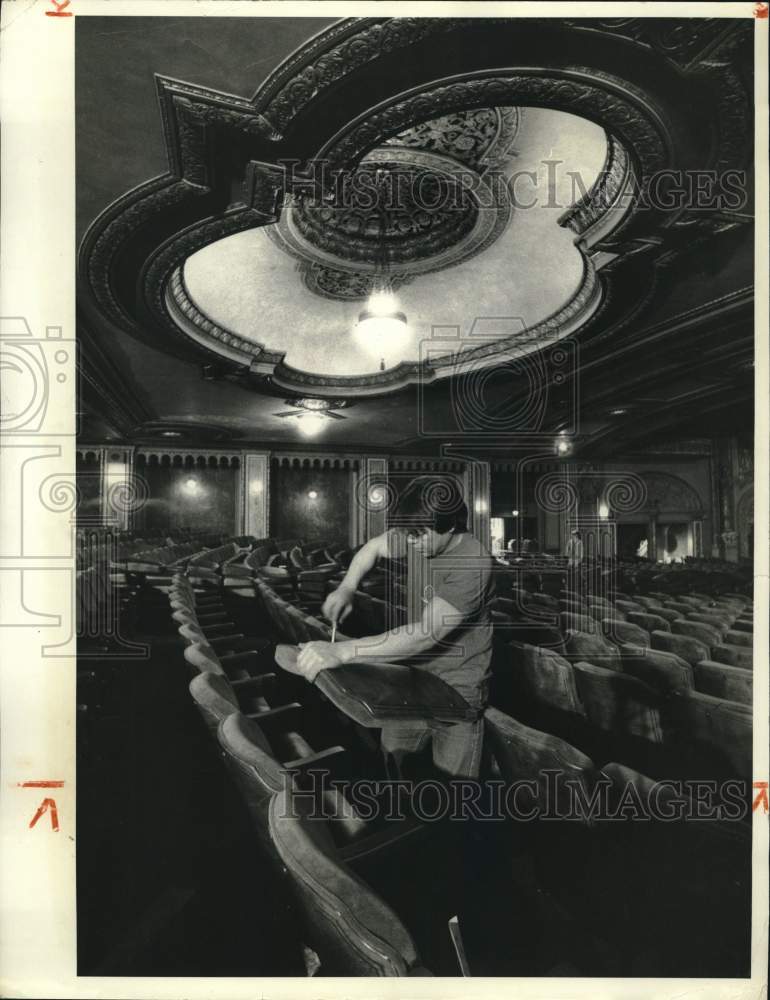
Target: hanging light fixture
{"points": [[382, 327]]}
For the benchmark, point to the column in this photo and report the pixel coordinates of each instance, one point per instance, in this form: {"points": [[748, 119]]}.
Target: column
{"points": [[120, 492], [255, 494], [652, 539], [477, 497], [372, 497]]}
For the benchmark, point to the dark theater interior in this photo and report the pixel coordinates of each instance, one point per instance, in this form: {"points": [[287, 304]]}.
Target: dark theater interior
{"points": [[415, 519]]}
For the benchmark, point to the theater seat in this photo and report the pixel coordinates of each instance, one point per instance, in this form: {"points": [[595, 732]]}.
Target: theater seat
{"points": [[578, 623], [680, 606], [592, 649], [668, 614], [649, 621], [619, 703], [685, 646], [722, 681], [736, 656], [544, 678], [713, 735], [525, 754], [624, 632], [538, 635], [216, 698], [721, 623], [628, 606], [733, 638], [661, 671], [650, 604], [351, 929], [706, 634]]}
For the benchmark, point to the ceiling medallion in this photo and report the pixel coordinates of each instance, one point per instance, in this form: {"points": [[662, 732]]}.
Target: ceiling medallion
{"points": [[408, 203], [312, 415]]}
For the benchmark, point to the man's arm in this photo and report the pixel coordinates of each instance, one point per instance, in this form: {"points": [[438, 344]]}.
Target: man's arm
{"points": [[439, 620], [339, 603]]}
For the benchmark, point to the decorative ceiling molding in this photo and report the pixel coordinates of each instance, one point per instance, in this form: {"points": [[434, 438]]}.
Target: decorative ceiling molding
{"points": [[343, 244], [314, 107]]}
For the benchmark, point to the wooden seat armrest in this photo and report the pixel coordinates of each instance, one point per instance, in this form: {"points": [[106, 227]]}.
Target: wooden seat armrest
{"points": [[323, 760], [260, 684], [225, 628], [278, 720]]}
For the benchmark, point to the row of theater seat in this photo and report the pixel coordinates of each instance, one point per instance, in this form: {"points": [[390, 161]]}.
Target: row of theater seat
{"points": [[519, 752], [259, 734], [586, 667], [215, 650]]}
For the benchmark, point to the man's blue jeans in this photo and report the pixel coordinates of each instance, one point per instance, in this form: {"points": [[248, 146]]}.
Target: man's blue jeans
{"points": [[456, 747]]}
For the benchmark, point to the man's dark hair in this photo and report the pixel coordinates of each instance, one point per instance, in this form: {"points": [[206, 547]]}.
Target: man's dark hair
{"points": [[434, 501]]}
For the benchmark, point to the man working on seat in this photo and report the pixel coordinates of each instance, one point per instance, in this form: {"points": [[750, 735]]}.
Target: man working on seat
{"points": [[453, 638]]}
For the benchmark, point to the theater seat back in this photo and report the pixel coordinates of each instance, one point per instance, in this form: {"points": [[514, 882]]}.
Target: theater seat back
{"points": [[661, 671], [618, 703], [202, 659], [592, 649], [545, 678], [620, 632], [716, 732], [213, 697], [252, 762], [526, 754], [685, 646], [721, 681], [351, 929]]}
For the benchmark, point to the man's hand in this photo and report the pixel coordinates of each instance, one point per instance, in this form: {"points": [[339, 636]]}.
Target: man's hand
{"points": [[315, 657], [338, 605]]}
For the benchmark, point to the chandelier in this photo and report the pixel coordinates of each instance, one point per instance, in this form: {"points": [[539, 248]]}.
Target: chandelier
{"points": [[382, 327]]}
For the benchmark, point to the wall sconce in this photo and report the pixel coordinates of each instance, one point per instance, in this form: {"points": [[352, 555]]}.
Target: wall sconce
{"points": [[312, 494], [377, 496]]}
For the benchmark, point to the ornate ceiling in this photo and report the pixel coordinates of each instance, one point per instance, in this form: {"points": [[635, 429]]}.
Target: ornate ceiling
{"points": [[264, 284], [250, 257]]}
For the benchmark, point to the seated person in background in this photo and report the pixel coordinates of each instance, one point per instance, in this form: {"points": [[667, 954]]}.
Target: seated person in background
{"points": [[454, 636]]}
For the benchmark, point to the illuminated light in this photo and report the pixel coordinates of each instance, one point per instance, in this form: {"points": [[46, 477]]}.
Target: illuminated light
{"points": [[310, 423], [312, 494], [191, 486], [604, 511], [257, 486], [515, 513], [382, 328], [171, 434], [563, 447], [480, 506], [618, 412], [376, 496]]}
